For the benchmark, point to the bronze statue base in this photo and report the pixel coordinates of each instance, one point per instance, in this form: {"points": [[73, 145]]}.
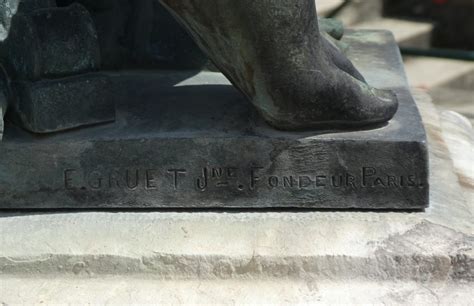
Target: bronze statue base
{"points": [[191, 140]]}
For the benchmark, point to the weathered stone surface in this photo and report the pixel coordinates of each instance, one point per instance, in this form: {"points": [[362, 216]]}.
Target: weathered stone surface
{"points": [[121, 290], [176, 144], [60, 104], [422, 258], [52, 42]]}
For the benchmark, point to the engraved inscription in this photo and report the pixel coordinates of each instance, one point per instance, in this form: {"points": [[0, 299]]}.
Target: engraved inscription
{"points": [[229, 178], [218, 177], [177, 173]]}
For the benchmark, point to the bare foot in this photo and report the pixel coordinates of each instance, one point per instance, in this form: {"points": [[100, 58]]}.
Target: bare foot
{"points": [[274, 53]]}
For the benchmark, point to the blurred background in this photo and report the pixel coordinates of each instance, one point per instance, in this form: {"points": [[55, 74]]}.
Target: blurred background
{"points": [[436, 38]]}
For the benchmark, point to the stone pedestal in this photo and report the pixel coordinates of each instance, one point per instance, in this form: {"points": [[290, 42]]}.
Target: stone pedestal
{"points": [[283, 257], [188, 140]]}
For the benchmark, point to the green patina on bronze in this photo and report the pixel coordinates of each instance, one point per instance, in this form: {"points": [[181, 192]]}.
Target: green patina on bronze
{"points": [[287, 62], [300, 78]]}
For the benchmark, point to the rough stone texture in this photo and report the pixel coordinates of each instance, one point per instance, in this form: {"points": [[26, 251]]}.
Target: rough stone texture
{"points": [[181, 145], [282, 257], [61, 104], [136, 291], [51, 42]]}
